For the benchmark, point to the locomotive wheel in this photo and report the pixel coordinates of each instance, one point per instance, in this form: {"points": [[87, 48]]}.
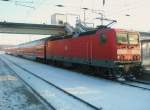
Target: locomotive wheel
{"points": [[118, 74], [136, 72], [110, 73]]}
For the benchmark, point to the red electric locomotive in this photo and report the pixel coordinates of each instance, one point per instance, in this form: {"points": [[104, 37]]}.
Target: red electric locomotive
{"points": [[115, 51]]}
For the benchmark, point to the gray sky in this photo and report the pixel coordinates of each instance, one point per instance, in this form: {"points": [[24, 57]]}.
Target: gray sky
{"points": [[114, 9]]}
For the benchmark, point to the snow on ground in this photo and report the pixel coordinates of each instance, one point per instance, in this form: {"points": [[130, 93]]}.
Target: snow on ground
{"points": [[2, 52], [99, 92], [13, 94], [147, 69], [55, 97]]}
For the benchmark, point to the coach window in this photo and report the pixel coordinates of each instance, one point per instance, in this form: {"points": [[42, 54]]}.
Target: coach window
{"points": [[103, 38]]}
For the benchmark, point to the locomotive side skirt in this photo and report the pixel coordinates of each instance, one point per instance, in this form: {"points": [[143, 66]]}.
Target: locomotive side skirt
{"points": [[98, 63]]}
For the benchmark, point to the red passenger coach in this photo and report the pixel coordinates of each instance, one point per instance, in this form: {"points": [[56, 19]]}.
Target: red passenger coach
{"points": [[34, 50]]}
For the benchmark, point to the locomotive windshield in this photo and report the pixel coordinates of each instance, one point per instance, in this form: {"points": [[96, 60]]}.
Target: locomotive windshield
{"points": [[133, 38], [122, 38]]}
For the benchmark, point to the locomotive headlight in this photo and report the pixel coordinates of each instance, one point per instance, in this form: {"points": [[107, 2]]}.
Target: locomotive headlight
{"points": [[121, 57], [138, 57], [134, 57], [118, 57]]}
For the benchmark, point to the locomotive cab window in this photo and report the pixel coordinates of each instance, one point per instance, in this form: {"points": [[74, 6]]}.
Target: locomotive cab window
{"points": [[133, 38], [122, 38]]}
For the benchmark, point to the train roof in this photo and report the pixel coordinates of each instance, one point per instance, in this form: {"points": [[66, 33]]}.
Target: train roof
{"points": [[124, 30], [33, 41], [70, 36]]}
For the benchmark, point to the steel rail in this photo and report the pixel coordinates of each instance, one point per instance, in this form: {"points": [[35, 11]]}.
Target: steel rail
{"points": [[140, 81], [26, 84], [130, 84]]}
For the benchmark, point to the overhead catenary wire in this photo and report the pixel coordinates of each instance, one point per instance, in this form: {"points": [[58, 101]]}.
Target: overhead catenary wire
{"points": [[26, 3]]}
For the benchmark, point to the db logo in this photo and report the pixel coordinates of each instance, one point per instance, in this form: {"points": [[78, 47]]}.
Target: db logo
{"points": [[66, 48]]}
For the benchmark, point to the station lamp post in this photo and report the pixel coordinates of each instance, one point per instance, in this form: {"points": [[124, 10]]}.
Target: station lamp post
{"points": [[127, 15], [60, 5], [85, 9]]}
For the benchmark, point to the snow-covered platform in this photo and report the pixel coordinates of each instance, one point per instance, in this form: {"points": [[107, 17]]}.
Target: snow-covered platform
{"points": [[13, 94], [99, 92]]}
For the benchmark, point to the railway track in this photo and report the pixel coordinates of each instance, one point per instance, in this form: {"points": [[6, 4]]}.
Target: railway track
{"points": [[133, 83], [28, 86], [140, 81], [136, 83], [92, 107]]}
